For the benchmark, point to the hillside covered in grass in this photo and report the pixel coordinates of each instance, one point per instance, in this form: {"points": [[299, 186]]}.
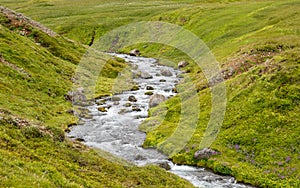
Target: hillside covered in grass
{"points": [[257, 46], [36, 72]]}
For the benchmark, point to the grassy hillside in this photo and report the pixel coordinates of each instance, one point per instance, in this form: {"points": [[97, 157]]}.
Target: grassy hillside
{"points": [[257, 42], [259, 139], [36, 71]]}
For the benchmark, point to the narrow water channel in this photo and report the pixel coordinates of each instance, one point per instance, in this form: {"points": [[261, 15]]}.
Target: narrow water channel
{"points": [[114, 126]]}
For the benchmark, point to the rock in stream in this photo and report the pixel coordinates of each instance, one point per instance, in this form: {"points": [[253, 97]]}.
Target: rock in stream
{"points": [[115, 129]]}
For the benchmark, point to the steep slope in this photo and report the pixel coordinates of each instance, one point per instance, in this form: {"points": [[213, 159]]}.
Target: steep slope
{"points": [[36, 70]]}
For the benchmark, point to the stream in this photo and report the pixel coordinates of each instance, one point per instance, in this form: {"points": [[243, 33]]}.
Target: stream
{"points": [[114, 126]]}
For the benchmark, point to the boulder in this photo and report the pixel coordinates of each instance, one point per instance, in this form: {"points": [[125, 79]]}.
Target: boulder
{"points": [[174, 90], [156, 100], [139, 158], [205, 153], [102, 109], [115, 98], [135, 88], [123, 111], [80, 139], [132, 98], [134, 52], [165, 72], [136, 108], [149, 93], [127, 104], [149, 88], [182, 64], [146, 75], [164, 164]]}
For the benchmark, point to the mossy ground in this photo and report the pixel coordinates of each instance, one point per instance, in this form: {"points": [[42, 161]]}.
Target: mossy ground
{"points": [[259, 40]]}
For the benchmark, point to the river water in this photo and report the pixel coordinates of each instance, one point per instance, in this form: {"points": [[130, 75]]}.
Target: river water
{"points": [[115, 127]]}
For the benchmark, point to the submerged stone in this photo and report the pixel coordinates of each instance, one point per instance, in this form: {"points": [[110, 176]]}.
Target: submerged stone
{"points": [[115, 98], [149, 93], [102, 109], [149, 88], [136, 108], [135, 88], [132, 98]]}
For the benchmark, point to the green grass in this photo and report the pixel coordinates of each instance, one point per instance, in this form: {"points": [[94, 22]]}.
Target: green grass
{"points": [[259, 139], [36, 71], [34, 158]]}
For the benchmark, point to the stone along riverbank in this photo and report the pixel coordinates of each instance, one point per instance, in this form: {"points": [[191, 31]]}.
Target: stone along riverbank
{"points": [[114, 121]]}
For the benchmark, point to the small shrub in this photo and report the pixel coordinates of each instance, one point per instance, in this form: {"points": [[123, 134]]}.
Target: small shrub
{"points": [[31, 132], [222, 169]]}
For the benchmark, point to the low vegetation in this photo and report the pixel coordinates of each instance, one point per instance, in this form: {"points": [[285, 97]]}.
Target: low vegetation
{"points": [[36, 73], [255, 42]]}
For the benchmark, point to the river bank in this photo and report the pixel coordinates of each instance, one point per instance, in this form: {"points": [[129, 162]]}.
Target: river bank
{"points": [[113, 125]]}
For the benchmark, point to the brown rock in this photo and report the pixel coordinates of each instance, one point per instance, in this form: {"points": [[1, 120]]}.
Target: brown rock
{"points": [[134, 52], [156, 100], [166, 72], [182, 64], [102, 109], [132, 98]]}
